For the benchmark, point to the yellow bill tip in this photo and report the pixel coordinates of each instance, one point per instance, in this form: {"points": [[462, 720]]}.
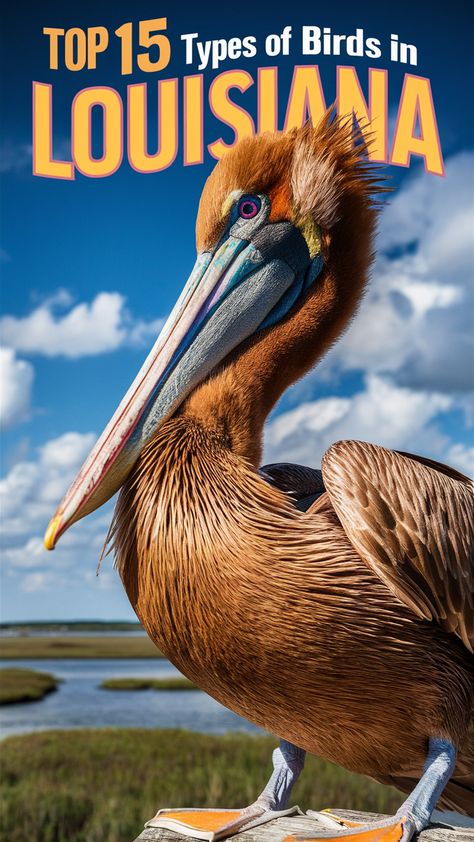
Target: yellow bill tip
{"points": [[51, 532]]}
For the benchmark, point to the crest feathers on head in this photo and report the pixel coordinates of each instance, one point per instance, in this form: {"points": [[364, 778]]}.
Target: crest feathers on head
{"points": [[330, 162]]}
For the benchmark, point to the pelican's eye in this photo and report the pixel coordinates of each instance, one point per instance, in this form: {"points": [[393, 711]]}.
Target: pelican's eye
{"points": [[249, 206]]}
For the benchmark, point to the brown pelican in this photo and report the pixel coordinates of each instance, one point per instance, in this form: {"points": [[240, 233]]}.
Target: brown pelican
{"points": [[332, 608]]}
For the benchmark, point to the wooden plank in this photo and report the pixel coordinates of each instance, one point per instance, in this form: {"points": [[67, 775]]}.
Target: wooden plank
{"points": [[279, 829]]}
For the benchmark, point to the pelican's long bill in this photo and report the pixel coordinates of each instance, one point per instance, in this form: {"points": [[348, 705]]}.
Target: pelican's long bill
{"points": [[249, 281]]}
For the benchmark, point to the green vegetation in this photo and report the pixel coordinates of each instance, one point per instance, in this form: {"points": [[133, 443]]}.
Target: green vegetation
{"points": [[18, 685], [178, 683], [66, 646], [101, 786]]}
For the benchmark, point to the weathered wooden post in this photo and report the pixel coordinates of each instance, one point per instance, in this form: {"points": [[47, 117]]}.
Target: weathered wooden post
{"points": [[279, 829]]}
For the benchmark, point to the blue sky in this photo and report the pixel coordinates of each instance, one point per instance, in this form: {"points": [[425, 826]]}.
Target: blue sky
{"points": [[90, 267]]}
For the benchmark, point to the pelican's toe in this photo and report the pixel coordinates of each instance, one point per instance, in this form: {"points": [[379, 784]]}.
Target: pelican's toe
{"points": [[214, 824]]}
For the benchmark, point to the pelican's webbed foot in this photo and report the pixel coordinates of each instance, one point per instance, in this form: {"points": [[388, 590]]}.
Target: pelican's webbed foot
{"points": [[413, 816], [396, 828], [215, 824]]}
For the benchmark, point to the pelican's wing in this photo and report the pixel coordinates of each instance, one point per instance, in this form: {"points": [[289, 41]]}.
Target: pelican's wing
{"points": [[304, 484], [412, 522]]}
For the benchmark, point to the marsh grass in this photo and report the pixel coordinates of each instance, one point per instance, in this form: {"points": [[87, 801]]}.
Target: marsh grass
{"points": [[20, 685], [64, 646], [102, 785], [178, 683]]}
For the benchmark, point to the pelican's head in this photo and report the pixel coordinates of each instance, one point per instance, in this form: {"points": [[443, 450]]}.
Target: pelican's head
{"points": [[283, 231]]}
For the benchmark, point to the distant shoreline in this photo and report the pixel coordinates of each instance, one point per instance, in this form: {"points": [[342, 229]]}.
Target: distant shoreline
{"points": [[58, 626]]}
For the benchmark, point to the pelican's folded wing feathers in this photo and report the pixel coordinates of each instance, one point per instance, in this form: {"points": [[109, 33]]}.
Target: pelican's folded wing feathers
{"points": [[412, 522]]}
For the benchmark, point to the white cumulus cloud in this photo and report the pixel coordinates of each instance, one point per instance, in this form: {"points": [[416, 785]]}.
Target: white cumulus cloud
{"points": [[29, 494], [383, 413], [86, 329], [31, 489], [57, 327], [16, 380]]}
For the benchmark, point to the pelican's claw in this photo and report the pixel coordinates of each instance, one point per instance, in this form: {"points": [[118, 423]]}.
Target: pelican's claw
{"points": [[212, 825]]}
